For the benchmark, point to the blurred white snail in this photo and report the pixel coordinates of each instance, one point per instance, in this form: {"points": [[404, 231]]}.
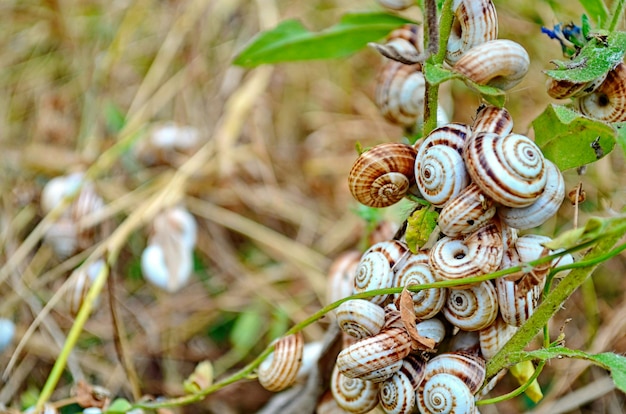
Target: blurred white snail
{"points": [[80, 283], [166, 142], [167, 261], [7, 332]]}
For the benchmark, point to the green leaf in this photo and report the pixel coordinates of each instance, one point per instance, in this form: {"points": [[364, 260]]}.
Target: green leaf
{"points": [[247, 329], [596, 58], [436, 74], [120, 405], [291, 41], [617, 365], [419, 227], [620, 127], [596, 10], [595, 229], [571, 140]]}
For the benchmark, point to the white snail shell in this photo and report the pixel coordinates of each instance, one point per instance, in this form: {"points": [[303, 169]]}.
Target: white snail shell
{"points": [[353, 394], [403, 44], [81, 281], [374, 353], [360, 318], [445, 394], [499, 63], [465, 341], [7, 332], [608, 101], [545, 207], [562, 89], [466, 212], [397, 395], [493, 337], [475, 22], [492, 119], [473, 308], [427, 302], [508, 169], [396, 4], [341, 274], [280, 369], [433, 329], [518, 299], [377, 265], [414, 367], [382, 176], [468, 367], [440, 174], [400, 93], [451, 135], [526, 248]]}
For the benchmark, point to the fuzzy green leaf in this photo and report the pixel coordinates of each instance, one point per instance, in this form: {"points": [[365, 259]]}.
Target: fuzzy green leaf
{"points": [[247, 329], [596, 58], [419, 227], [436, 74], [291, 41], [617, 366], [119, 406], [597, 10], [571, 140], [620, 127]]}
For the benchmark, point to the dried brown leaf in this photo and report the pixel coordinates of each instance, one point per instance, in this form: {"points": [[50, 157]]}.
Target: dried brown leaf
{"points": [[407, 314]]}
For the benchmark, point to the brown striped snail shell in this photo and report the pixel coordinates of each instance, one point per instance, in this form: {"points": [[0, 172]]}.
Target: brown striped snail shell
{"points": [[414, 366], [374, 353], [473, 308], [492, 119], [440, 174], [468, 367], [526, 248], [563, 88], [493, 337], [400, 91], [475, 22], [340, 283], [280, 369], [499, 63], [403, 44], [508, 169], [382, 176], [445, 394], [544, 208], [451, 135], [608, 101], [466, 212], [465, 341], [479, 253], [433, 329], [518, 299], [353, 394], [396, 4], [397, 395], [360, 318], [427, 302], [377, 266]]}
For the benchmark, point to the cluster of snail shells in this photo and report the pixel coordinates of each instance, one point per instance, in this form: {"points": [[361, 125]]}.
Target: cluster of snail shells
{"points": [[603, 98], [473, 50]]}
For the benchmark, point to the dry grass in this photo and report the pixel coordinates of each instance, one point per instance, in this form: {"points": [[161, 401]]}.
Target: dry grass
{"points": [[82, 85]]}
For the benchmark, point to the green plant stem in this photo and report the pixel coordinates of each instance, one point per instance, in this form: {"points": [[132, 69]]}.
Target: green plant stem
{"points": [[551, 304], [72, 338], [617, 13], [516, 391]]}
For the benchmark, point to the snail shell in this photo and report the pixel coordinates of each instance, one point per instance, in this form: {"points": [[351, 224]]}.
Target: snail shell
{"points": [[403, 44], [508, 169], [353, 394], [341, 276], [452, 135], [445, 394], [382, 176], [400, 91], [397, 395], [475, 22], [360, 318], [7, 332], [493, 337], [427, 302], [81, 281], [377, 266], [545, 207], [480, 253], [562, 89], [492, 119], [414, 366], [433, 329], [499, 63], [466, 212], [396, 4], [468, 367], [440, 174], [473, 308], [371, 354], [526, 248], [280, 369], [465, 341], [608, 101], [518, 299]]}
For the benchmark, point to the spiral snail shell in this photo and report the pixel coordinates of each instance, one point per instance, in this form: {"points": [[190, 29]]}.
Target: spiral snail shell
{"points": [[403, 45], [428, 302], [466, 212], [397, 395], [445, 394], [433, 329], [377, 266], [500, 63], [353, 394], [473, 308], [518, 299], [452, 135], [608, 101], [396, 4], [382, 176], [475, 22], [508, 169], [280, 369], [563, 88], [493, 337], [440, 174], [340, 282], [545, 207], [360, 318], [492, 119], [400, 93]]}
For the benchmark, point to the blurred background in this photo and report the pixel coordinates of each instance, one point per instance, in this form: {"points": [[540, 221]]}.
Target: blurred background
{"points": [[85, 86]]}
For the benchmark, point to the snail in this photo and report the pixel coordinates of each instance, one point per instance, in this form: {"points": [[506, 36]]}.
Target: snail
{"points": [[473, 308], [397, 395], [432, 329], [396, 4], [492, 119], [475, 22], [493, 337], [518, 299], [7, 332], [466, 212], [542, 209], [353, 394], [360, 318], [499, 63], [509, 169], [400, 93], [377, 266], [608, 101], [452, 135], [563, 88], [382, 176], [428, 302], [440, 174], [340, 283], [80, 283], [402, 45], [280, 369]]}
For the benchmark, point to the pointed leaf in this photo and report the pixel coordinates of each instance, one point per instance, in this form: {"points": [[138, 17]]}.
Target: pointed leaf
{"points": [[247, 329], [617, 366], [419, 226], [291, 41], [436, 74], [571, 140], [596, 10], [120, 406]]}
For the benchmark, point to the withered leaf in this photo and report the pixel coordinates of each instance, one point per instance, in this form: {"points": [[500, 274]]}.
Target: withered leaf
{"points": [[407, 314]]}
